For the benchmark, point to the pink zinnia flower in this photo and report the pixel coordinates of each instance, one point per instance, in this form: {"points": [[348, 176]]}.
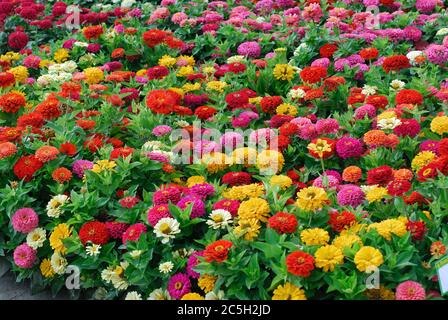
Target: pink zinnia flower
{"points": [[410, 290], [25, 220], [24, 256]]}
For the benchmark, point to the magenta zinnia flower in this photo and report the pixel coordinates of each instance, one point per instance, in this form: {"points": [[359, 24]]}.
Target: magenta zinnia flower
{"points": [[179, 285], [348, 147], [193, 262], [350, 195], [198, 209]]}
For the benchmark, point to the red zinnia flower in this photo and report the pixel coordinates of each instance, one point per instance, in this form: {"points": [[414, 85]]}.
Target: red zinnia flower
{"points": [[154, 37], [121, 152], [62, 175], [417, 229], [327, 50], [300, 263], [443, 147], [313, 74], [381, 175], [369, 53], [415, 197], [313, 94], [325, 154], [428, 172], [270, 104], [49, 108], [356, 98], [33, 119], [93, 32], [236, 99], [379, 102], [406, 96], [94, 231], [129, 202], [162, 101], [408, 127], [68, 149], [288, 129], [395, 63], [331, 83], [398, 187], [157, 72], [12, 102], [7, 79], [26, 166], [340, 221], [236, 178], [93, 144], [283, 222], [205, 112], [18, 40], [217, 251]]}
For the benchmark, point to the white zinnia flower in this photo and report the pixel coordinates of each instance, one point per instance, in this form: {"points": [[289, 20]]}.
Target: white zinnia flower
{"points": [[36, 238], [54, 205], [58, 263], [133, 295], [166, 267], [127, 3], [397, 84], [412, 55], [93, 249], [296, 93], [135, 253], [215, 296], [159, 294], [369, 90], [237, 58], [367, 188], [219, 218], [389, 123], [442, 32], [166, 229]]}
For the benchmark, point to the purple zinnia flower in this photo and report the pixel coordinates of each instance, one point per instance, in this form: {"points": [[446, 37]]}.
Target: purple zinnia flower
{"points": [[179, 285], [430, 145], [80, 166], [365, 110], [25, 220], [350, 195], [158, 156], [335, 174]]}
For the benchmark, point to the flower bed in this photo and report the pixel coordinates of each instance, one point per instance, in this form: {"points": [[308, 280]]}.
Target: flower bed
{"points": [[270, 149]]}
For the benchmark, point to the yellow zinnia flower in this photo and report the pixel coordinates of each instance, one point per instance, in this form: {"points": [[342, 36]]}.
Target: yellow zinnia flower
{"points": [[422, 159], [314, 237], [311, 198], [376, 194], [254, 208], [327, 257], [282, 181], [167, 61], [284, 72], [439, 125], [287, 109], [288, 292], [93, 75], [248, 228], [192, 296], [270, 161], [368, 257], [207, 282], [59, 233], [61, 55], [46, 269]]}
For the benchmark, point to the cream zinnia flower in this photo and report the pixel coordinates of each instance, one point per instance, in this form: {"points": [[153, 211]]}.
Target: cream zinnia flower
{"points": [[159, 294], [54, 209], [58, 263], [36, 238], [166, 267]]}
